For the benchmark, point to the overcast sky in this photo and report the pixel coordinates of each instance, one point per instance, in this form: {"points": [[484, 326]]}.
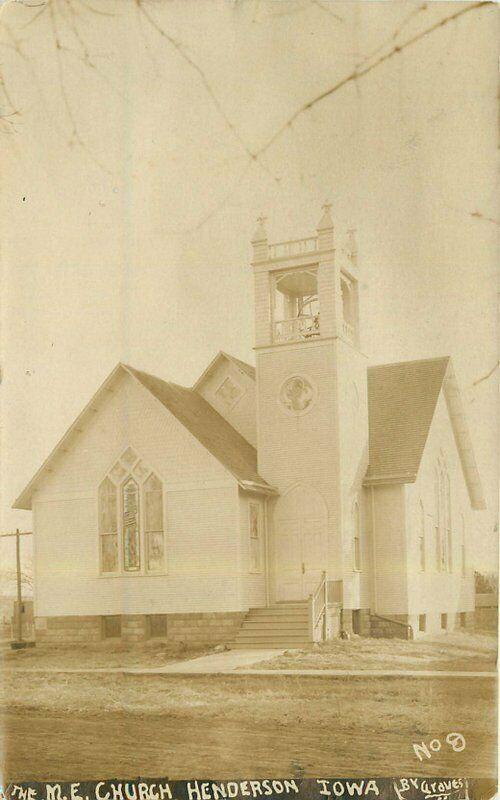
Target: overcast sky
{"points": [[130, 193]]}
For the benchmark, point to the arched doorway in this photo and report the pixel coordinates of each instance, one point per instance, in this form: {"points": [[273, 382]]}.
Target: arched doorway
{"points": [[300, 543]]}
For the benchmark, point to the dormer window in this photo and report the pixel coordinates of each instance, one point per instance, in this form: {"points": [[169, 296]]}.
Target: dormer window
{"points": [[295, 305]]}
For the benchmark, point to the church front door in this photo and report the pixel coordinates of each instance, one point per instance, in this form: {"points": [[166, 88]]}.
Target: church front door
{"points": [[300, 536]]}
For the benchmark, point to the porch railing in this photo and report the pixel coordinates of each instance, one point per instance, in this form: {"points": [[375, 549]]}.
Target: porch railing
{"points": [[318, 608]]}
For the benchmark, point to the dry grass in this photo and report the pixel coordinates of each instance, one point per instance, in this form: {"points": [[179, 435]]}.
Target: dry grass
{"points": [[455, 651], [103, 655]]}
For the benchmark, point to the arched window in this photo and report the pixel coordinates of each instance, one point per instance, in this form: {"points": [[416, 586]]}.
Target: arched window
{"points": [[130, 513], [443, 517], [421, 537], [153, 523], [448, 534], [356, 537], [130, 526], [437, 518], [108, 526]]}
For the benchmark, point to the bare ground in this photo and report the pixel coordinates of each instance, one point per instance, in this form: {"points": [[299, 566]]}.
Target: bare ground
{"points": [[90, 726]]}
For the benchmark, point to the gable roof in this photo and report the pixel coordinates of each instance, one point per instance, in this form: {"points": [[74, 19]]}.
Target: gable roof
{"points": [[402, 399], [241, 365], [207, 425], [192, 410]]}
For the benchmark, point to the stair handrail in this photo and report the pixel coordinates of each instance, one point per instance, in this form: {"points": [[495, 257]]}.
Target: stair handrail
{"points": [[318, 613]]}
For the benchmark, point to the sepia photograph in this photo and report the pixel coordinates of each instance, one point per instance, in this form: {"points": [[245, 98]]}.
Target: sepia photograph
{"points": [[249, 399]]}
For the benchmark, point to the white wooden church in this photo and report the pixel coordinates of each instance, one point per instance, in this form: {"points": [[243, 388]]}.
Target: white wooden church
{"points": [[307, 497]]}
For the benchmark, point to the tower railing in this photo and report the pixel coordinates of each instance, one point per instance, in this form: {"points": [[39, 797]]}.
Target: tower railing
{"points": [[295, 247], [297, 328]]}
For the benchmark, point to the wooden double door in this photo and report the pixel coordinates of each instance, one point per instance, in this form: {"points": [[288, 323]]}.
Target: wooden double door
{"points": [[300, 543]]}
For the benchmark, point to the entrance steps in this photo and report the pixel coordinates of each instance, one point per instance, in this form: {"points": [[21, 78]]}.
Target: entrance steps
{"points": [[282, 626]]}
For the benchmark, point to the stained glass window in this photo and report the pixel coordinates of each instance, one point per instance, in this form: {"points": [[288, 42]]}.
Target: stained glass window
{"points": [[108, 526], [153, 520], [255, 545], [130, 515], [130, 509]]}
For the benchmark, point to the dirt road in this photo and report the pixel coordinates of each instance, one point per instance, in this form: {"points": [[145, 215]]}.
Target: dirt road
{"points": [[47, 746]]}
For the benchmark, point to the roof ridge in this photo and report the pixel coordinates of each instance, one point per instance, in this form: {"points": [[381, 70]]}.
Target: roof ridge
{"points": [[411, 361]]}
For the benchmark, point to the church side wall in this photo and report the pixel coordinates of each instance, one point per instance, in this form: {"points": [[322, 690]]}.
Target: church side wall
{"points": [[201, 510], [353, 449], [433, 592], [389, 545], [240, 414]]}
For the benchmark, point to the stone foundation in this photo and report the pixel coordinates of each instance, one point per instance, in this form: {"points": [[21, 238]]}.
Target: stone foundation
{"points": [[395, 627], [356, 621], [486, 618], [470, 621], [199, 628]]}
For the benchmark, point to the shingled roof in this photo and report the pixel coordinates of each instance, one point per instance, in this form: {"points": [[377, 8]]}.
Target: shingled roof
{"points": [[401, 403], [207, 425], [192, 410]]}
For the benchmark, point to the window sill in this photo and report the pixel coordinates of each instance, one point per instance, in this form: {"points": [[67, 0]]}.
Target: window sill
{"points": [[132, 574]]}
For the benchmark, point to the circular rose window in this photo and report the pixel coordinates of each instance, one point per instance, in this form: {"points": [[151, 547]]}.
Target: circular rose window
{"points": [[297, 394]]}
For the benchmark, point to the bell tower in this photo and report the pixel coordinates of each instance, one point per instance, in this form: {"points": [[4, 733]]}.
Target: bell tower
{"points": [[311, 400]]}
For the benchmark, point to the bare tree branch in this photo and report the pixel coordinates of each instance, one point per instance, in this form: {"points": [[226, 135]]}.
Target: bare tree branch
{"points": [[180, 48], [395, 35], [75, 134], [488, 374], [479, 215], [359, 73], [327, 10]]}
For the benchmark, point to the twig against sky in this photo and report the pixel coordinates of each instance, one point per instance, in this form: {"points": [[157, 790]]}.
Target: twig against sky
{"points": [[488, 374], [359, 73], [180, 48], [75, 134]]}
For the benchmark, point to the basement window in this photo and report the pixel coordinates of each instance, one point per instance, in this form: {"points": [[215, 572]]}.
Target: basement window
{"points": [[422, 623], [112, 626], [444, 621], [157, 626]]}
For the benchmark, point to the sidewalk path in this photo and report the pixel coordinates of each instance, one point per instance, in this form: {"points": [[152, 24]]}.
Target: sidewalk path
{"points": [[246, 662]]}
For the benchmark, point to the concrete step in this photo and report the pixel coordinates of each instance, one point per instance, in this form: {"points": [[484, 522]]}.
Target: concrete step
{"points": [[270, 621], [281, 607], [247, 636], [277, 615], [275, 644], [253, 627]]}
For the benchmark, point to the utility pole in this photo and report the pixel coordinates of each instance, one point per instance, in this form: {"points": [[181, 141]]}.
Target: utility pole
{"points": [[19, 643]]}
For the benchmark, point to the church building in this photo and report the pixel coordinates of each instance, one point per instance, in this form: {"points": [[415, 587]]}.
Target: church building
{"points": [[307, 497]]}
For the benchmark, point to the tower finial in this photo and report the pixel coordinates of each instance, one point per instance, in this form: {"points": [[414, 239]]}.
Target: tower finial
{"points": [[259, 240], [326, 221], [260, 234]]}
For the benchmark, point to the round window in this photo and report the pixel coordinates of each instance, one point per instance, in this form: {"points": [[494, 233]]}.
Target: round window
{"points": [[297, 394]]}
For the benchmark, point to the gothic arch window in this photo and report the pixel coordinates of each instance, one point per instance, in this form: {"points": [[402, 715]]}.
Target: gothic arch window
{"points": [[356, 537], [130, 513], [421, 536]]}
